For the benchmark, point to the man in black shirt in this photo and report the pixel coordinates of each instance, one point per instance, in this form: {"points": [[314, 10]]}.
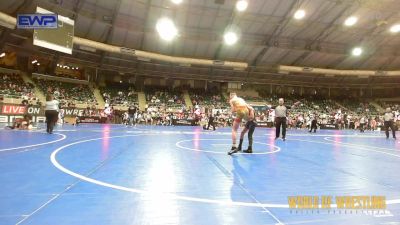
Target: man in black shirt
{"points": [[210, 122], [314, 123], [131, 112]]}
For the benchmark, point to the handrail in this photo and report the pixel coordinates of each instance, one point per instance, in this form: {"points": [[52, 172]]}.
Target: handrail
{"points": [[322, 71], [63, 79]]}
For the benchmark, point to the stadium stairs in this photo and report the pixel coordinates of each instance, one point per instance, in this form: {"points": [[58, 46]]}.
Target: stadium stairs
{"points": [[396, 99], [377, 106], [38, 93], [98, 96], [142, 100], [187, 99], [343, 107], [226, 95]]}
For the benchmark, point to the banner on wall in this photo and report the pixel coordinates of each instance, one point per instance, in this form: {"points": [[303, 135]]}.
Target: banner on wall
{"points": [[329, 126], [183, 122], [8, 112], [11, 118], [92, 119], [264, 124], [19, 110]]}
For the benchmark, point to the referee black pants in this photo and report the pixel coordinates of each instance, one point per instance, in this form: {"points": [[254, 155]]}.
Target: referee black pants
{"points": [[313, 126], [391, 125], [280, 121], [362, 127], [211, 123], [51, 119]]}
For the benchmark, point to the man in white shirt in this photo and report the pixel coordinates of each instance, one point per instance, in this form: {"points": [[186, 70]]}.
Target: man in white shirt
{"points": [[51, 113], [362, 123]]}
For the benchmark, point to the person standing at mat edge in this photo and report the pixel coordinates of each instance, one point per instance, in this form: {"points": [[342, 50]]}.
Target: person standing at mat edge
{"points": [[131, 115], [280, 118], [314, 123], [51, 113], [388, 122]]}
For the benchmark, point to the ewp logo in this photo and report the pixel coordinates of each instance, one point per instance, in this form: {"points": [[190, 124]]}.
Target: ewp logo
{"points": [[37, 21]]}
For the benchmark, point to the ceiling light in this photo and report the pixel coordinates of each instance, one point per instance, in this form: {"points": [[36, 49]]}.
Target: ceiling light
{"points": [[350, 21], [34, 61], [395, 28], [166, 29], [230, 38], [38, 64], [357, 51], [2, 55], [299, 14], [177, 2], [241, 5]]}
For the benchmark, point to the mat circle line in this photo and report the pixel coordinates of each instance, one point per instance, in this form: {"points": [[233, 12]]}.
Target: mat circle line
{"points": [[178, 144], [53, 159], [63, 136]]}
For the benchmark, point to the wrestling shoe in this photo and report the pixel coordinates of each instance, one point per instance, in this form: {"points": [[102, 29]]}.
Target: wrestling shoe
{"points": [[249, 150], [233, 150]]}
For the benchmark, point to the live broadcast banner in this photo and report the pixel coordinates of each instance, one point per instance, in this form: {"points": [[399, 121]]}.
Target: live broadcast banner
{"points": [[8, 112]]}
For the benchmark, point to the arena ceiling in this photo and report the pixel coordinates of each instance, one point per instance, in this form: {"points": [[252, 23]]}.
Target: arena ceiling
{"points": [[270, 36]]}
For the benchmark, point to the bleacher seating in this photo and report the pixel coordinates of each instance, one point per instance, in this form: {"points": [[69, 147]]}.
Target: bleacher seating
{"points": [[120, 96], [70, 92], [209, 99], [394, 105], [163, 101], [358, 106], [253, 99], [163, 97], [13, 86]]}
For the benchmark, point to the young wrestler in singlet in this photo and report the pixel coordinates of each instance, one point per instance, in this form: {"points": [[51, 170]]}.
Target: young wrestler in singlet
{"points": [[243, 111]]}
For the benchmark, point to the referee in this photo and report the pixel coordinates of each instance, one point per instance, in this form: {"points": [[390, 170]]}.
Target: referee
{"points": [[131, 112], [210, 122], [314, 123], [388, 118], [280, 118]]}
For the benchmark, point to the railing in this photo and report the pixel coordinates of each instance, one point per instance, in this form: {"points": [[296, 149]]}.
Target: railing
{"points": [[6, 70], [12, 99], [62, 79]]}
